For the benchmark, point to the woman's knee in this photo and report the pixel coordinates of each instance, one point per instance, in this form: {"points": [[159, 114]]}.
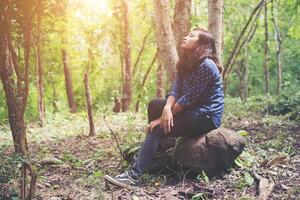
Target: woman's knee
{"points": [[156, 104]]}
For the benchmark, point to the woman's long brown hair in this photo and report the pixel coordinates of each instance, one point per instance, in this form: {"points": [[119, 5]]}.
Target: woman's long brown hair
{"points": [[206, 48]]}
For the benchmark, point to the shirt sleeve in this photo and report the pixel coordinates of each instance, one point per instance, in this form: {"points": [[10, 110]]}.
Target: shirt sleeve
{"points": [[175, 89], [201, 82]]}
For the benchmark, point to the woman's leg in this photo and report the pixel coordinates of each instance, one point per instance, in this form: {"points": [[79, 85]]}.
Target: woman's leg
{"points": [[186, 124], [152, 141]]}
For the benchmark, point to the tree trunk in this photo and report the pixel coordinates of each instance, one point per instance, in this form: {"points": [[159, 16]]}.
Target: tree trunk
{"points": [[16, 85], [243, 75], [141, 93], [127, 92], [167, 53], [278, 43], [68, 82], [228, 66], [89, 105], [39, 71], [141, 51], [215, 25], [54, 100], [266, 52], [160, 81], [182, 21]]}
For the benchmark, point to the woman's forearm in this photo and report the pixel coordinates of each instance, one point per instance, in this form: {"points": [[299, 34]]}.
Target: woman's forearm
{"points": [[177, 108], [171, 104]]}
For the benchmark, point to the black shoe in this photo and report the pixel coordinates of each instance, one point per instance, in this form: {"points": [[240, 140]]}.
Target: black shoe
{"points": [[128, 177]]}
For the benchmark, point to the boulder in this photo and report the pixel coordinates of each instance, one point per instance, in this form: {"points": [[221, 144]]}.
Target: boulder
{"points": [[212, 152]]}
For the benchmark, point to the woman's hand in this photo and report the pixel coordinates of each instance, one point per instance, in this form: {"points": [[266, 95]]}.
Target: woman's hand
{"points": [[152, 124], [167, 119]]}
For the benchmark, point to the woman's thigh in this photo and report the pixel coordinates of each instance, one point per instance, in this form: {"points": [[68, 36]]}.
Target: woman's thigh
{"points": [[187, 124]]}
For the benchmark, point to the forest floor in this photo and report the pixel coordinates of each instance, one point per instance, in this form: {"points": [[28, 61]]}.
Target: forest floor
{"points": [[272, 150]]}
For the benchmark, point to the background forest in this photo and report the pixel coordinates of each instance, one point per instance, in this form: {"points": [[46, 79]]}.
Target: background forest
{"points": [[102, 56]]}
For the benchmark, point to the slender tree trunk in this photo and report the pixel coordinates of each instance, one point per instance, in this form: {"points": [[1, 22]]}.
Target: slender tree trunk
{"points": [[182, 21], [278, 43], [243, 75], [167, 53], [89, 105], [215, 25], [39, 71], [127, 93], [228, 66], [143, 83], [54, 100], [141, 51], [266, 52], [68, 81]]}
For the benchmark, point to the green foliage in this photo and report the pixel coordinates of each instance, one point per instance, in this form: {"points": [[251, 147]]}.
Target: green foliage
{"points": [[9, 171], [245, 160], [199, 196], [203, 176], [71, 159], [286, 103]]}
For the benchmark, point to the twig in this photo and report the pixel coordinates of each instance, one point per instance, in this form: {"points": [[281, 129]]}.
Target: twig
{"points": [[115, 138]]}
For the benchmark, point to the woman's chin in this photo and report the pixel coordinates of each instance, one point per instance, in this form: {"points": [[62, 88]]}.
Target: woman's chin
{"points": [[182, 47]]}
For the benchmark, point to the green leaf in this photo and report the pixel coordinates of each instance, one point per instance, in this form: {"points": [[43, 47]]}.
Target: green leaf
{"points": [[205, 177], [242, 133], [248, 179], [198, 196]]}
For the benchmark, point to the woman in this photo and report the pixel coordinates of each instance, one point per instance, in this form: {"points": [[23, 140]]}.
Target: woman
{"points": [[193, 107]]}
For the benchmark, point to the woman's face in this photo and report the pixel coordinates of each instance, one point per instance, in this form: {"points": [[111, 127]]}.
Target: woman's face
{"points": [[189, 42]]}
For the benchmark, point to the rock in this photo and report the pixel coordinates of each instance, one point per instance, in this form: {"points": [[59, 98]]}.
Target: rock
{"points": [[212, 152], [51, 160]]}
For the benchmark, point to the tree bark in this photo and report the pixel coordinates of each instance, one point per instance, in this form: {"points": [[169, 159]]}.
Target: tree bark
{"points": [[89, 105], [160, 81], [215, 25], [167, 53], [127, 92], [68, 81], [243, 75], [278, 43], [182, 21]]}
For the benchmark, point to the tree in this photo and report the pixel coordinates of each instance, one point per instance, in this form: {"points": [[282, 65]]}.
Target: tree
{"points": [[143, 83], [242, 38], [280, 36], [167, 53], [68, 81], [126, 64], [266, 52], [215, 25], [16, 82], [39, 65], [182, 21]]}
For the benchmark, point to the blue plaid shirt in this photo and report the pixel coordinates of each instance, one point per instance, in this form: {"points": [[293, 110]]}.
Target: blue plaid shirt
{"points": [[201, 91]]}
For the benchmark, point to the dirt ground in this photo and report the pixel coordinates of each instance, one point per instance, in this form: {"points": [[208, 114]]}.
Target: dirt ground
{"points": [[272, 151]]}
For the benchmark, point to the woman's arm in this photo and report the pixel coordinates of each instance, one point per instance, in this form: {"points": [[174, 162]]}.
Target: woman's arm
{"points": [[171, 108]]}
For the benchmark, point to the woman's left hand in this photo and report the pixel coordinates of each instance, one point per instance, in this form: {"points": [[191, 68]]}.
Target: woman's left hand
{"points": [[167, 119]]}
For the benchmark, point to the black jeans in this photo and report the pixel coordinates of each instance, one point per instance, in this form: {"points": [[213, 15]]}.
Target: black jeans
{"points": [[186, 124]]}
